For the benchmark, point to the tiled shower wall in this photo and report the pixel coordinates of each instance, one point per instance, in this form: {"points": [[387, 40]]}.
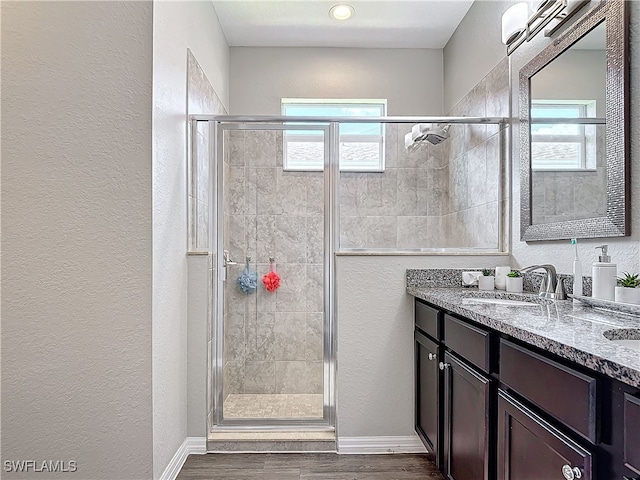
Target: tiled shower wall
{"points": [[439, 196], [475, 156], [273, 341]]}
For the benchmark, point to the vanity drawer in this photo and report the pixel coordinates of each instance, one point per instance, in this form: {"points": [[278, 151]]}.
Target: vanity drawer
{"points": [[632, 432], [468, 341], [564, 393], [429, 320]]}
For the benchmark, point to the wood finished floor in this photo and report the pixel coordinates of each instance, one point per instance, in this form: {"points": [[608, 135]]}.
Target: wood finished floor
{"points": [[308, 466]]}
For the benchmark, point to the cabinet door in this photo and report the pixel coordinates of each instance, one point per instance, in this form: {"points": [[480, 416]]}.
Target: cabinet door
{"points": [[466, 421], [531, 449], [427, 394]]}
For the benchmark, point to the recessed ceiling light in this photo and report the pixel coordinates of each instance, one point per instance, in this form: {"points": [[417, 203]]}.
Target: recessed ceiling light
{"points": [[341, 11]]}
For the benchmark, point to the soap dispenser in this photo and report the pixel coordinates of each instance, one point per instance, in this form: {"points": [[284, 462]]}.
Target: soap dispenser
{"points": [[605, 276]]}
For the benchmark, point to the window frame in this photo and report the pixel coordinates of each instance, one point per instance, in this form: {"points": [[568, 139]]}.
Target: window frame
{"points": [[380, 139], [583, 107]]}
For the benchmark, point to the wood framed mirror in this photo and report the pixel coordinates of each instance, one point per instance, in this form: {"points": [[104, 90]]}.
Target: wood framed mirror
{"points": [[574, 131]]}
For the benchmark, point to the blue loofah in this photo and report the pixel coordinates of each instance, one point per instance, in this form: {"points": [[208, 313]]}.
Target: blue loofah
{"points": [[248, 280]]}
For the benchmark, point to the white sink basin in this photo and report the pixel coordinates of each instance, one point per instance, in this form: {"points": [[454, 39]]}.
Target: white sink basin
{"points": [[625, 337], [500, 301], [632, 344]]}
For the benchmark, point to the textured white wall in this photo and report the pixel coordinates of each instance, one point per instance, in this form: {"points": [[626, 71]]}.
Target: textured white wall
{"points": [[76, 237], [411, 79], [375, 340], [177, 26]]}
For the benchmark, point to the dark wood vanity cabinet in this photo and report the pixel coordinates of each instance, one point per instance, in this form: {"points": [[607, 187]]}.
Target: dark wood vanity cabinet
{"points": [[492, 407], [530, 448], [428, 401], [466, 421]]}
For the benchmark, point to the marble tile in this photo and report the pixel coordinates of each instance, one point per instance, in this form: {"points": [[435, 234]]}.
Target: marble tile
{"points": [[236, 195], [290, 296], [381, 232], [412, 191], [493, 167], [260, 148], [235, 233], [266, 238], [233, 377], [438, 191], [314, 291], [263, 405], [234, 337], [290, 333], [458, 182], [292, 192], [251, 237], [420, 232], [352, 232], [259, 377], [476, 134], [391, 145], [291, 239], [251, 191], [315, 193], [314, 338], [234, 299], [267, 202], [201, 164], [202, 227], [291, 377], [261, 336], [315, 239], [234, 146], [315, 377], [477, 176]]}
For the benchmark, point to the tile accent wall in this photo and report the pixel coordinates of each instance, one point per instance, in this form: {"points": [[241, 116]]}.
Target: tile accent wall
{"points": [[439, 196], [274, 341], [201, 99]]}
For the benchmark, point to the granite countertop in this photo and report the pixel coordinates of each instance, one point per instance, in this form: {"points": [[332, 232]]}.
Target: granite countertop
{"points": [[567, 328]]}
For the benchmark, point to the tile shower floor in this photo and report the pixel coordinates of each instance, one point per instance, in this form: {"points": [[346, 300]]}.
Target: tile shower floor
{"points": [[262, 405]]}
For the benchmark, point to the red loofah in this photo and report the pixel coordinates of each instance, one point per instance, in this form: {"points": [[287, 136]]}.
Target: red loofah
{"points": [[271, 281]]}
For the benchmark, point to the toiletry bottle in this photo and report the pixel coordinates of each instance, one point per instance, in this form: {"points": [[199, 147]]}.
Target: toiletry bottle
{"points": [[577, 271], [604, 276]]}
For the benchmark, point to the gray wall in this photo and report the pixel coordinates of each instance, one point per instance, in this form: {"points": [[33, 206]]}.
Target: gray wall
{"points": [[77, 236], [473, 49], [411, 79], [177, 26]]}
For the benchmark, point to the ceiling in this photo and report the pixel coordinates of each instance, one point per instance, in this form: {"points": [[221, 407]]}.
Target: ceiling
{"points": [[306, 23]]}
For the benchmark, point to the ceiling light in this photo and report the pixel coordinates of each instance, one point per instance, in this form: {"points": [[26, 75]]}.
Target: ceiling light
{"points": [[341, 11]]}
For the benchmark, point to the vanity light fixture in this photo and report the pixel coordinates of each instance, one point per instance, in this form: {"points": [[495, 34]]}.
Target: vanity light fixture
{"points": [[341, 12], [518, 27]]}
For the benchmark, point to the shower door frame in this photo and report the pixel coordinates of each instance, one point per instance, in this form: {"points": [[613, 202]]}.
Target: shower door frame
{"points": [[221, 124]]}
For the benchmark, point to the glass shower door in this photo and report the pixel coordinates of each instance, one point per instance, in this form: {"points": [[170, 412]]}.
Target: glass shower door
{"points": [[272, 349]]}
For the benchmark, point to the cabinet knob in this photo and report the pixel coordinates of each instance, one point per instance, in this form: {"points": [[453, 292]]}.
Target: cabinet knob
{"points": [[444, 365], [432, 356], [570, 472]]}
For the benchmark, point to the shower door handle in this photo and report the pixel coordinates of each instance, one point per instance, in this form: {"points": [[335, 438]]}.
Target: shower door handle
{"points": [[226, 260]]}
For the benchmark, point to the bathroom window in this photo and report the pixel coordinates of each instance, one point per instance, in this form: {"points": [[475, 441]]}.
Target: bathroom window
{"points": [[561, 146], [361, 144]]}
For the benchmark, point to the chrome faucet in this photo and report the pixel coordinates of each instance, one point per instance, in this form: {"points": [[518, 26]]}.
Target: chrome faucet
{"points": [[550, 287]]}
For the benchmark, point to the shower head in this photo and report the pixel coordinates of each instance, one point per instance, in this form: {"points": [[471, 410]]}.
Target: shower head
{"points": [[436, 135], [425, 131]]}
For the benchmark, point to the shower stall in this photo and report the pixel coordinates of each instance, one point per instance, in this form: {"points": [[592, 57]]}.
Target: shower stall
{"points": [[273, 352]]}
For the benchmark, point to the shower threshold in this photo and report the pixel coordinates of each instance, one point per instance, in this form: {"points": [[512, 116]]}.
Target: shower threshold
{"points": [[226, 439]]}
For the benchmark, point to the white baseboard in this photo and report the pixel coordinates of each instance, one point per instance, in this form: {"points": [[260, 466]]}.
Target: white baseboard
{"points": [[190, 446], [371, 445]]}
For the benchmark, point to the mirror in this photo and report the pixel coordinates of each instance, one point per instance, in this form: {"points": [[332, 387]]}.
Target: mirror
{"points": [[574, 132]]}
